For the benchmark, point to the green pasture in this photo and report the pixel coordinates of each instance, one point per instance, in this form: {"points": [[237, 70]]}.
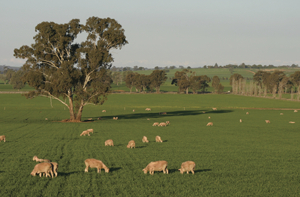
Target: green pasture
{"points": [[251, 158]]}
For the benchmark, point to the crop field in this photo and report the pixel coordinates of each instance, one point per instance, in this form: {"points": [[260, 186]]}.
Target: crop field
{"points": [[251, 158]]}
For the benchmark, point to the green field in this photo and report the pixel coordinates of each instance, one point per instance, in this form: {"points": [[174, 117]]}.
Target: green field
{"points": [[251, 158]]}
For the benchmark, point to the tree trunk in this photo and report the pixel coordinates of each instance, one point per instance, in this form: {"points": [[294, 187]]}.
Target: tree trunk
{"points": [[79, 113], [71, 109], [187, 90], [157, 89]]}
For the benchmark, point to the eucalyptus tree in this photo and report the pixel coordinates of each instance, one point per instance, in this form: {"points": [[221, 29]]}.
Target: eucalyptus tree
{"points": [[158, 77], [59, 68]]}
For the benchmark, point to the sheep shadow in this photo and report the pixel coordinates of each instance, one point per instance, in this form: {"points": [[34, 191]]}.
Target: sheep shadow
{"points": [[114, 169], [140, 146], [158, 115], [67, 173], [195, 171], [203, 170]]}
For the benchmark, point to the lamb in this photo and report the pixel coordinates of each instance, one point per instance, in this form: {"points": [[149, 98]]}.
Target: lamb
{"points": [[241, 120], [158, 139], [104, 110], [90, 130], [94, 163], [162, 124], [109, 142], [155, 124], [167, 122], [145, 139], [42, 168], [35, 158], [148, 109], [214, 108], [156, 166], [131, 144], [85, 133], [187, 166], [2, 137], [267, 121], [210, 124]]}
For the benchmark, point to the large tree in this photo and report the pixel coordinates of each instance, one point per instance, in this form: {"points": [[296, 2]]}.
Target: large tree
{"points": [[59, 68], [158, 77]]}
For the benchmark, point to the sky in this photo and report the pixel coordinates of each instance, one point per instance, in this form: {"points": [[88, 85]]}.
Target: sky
{"points": [[165, 33]]}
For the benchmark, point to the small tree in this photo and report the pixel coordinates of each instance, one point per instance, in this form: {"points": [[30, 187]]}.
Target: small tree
{"points": [[215, 83], [220, 88], [158, 77]]}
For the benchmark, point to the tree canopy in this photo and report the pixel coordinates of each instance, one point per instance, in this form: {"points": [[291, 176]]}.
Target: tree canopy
{"points": [[58, 67]]}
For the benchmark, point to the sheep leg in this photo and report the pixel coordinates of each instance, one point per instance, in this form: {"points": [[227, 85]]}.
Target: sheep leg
{"points": [[86, 169]]}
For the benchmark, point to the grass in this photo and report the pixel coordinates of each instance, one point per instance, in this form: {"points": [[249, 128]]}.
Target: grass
{"points": [[232, 158]]}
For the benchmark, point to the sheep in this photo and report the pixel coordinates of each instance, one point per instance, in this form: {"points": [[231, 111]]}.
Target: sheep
{"points": [[148, 118], [115, 118], [158, 139], [42, 168], [156, 166], [155, 124], [35, 158], [214, 108], [210, 124], [208, 117], [54, 167], [295, 110], [281, 113], [162, 113], [109, 142], [162, 124], [85, 133], [2, 137], [187, 166], [133, 110], [90, 130], [145, 139], [148, 109], [247, 113], [90, 119], [94, 163], [291, 122], [104, 110], [241, 120], [131, 144], [267, 121], [46, 118], [167, 122]]}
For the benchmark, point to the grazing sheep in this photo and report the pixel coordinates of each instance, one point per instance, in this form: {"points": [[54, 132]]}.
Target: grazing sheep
{"points": [[90, 130], [155, 124], [145, 139], [187, 166], [148, 109], [203, 112], [210, 124], [104, 110], [295, 110], [291, 122], [90, 119], [2, 137], [156, 166], [46, 118], [94, 163], [214, 108], [35, 158], [109, 142], [42, 168], [167, 122], [208, 117], [54, 169], [131, 144], [162, 124], [115, 118], [148, 118], [162, 113], [267, 121], [158, 139], [281, 113], [85, 133], [247, 113], [241, 120], [133, 110]]}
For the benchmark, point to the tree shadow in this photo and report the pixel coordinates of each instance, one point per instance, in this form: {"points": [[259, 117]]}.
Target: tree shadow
{"points": [[165, 140], [2, 171], [114, 169], [167, 114], [67, 173]]}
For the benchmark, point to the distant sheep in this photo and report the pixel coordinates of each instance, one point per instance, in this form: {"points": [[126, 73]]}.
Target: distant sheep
{"points": [[208, 117], [104, 110], [167, 122], [85, 133], [156, 166], [281, 113], [131, 144], [247, 113], [133, 110], [109, 142], [187, 166], [155, 124], [162, 124], [145, 139], [2, 137], [148, 109], [291, 122], [214, 108], [94, 163], [210, 124], [295, 110], [241, 120], [162, 113], [267, 121], [158, 139], [115, 118], [90, 130], [35, 158], [42, 168]]}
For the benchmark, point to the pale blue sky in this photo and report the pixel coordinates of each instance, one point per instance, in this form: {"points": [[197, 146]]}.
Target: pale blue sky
{"points": [[165, 33]]}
